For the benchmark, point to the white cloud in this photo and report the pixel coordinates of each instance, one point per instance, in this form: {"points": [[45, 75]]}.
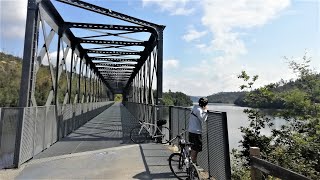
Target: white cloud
{"points": [[13, 18], [174, 7], [220, 74], [53, 59], [170, 63], [226, 20], [225, 17], [193, 34]]}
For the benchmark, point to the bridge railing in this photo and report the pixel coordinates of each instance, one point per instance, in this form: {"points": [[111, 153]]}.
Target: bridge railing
{"points": [[42, 127], [214, 157], [259, 165]]}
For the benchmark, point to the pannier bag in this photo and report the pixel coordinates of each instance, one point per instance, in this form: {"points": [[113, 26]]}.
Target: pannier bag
{"points": [[161, 122]]}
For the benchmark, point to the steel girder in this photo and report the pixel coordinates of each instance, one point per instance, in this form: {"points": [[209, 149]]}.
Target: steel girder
{"points": [[88, 76]]}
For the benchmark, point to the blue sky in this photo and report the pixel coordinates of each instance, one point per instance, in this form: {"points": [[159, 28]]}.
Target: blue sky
{"points": [[207, 43]]}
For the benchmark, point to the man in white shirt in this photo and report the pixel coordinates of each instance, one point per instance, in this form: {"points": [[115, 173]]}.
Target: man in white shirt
{"points": [[198, 115]]}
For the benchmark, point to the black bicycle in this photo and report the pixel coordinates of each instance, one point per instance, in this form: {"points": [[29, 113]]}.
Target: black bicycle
{"points": [[180, 163]]}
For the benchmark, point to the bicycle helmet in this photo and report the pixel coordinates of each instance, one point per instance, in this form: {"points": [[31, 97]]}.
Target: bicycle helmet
{"points": [[203, 101]]}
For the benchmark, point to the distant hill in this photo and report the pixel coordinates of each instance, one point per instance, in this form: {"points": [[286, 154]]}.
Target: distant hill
{"points": [[176, 99], [225, 97], [195, 98], [10, 77]]}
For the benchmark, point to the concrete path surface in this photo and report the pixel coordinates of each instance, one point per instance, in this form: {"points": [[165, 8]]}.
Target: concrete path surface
{"points": [[146, 161]]}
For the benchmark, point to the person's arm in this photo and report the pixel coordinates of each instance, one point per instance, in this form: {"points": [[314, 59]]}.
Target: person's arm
{"points": [[202, 114]]}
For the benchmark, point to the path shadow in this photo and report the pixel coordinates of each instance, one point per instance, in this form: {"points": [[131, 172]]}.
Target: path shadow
{"points": [[155, 159]]}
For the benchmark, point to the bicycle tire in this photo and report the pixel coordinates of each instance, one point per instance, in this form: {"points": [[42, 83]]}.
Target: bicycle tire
{"points": [[177, 166], [194, 173], [138, 138], [165, 132]]}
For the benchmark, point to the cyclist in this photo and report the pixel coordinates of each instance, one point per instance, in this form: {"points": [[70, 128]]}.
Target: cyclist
{"points": [[198, 115]]}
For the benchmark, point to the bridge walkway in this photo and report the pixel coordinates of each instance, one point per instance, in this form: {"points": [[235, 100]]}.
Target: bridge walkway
{"points": [[100, 149]]}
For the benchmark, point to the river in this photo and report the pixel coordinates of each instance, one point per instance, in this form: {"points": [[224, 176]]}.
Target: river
{"points": [[236, 118]]}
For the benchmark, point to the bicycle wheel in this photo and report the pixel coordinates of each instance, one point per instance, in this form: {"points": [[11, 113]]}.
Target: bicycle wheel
{"points": [[165, 135], [138, 136], [177, 166], [194, 173]]}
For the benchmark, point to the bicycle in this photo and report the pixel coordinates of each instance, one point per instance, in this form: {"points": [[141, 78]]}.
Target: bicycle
{"points": [[141, 133], [180, 163]]}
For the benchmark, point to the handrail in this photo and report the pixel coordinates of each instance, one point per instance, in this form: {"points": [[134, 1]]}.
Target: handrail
{"points": [[270, 168]]}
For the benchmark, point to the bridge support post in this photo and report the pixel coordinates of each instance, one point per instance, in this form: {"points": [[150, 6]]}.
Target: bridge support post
{"points": [[255, 173], [159, 65], [27, 76]]}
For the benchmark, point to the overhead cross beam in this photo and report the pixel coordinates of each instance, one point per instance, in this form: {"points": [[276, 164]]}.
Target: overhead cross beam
{"points": [[107, 27], [113, 59], [126, 43], [109, 12], [115, 65], [114, 52]]}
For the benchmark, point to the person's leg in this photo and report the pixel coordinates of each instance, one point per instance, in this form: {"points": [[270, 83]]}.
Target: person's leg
{"points": [[194, 156]]}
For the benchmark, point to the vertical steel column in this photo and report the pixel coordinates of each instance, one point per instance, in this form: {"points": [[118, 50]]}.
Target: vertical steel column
{"points": [[56, 99], [150, 80], [159, 65], [29, 52], [71, 75], [93, 86], [140, 85], [85, 96], [99, 90], [145, 82], [79, 80]]}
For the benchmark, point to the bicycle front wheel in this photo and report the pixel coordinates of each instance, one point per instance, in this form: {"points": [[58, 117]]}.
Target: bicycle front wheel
{"points": [[177, 166], [138, 136], [194, 173]]}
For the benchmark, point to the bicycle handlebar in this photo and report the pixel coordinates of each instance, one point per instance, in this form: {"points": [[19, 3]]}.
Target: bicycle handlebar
{"points": [[178, 136]]}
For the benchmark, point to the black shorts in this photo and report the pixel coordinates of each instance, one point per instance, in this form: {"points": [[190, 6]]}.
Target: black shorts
{"points": [[196, 139]]}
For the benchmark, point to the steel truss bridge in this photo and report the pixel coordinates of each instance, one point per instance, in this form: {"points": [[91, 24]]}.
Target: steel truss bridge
{"points": [[83, 66]]}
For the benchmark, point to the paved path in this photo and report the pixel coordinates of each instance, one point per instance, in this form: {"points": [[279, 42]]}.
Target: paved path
{"points": [[100, 149]]}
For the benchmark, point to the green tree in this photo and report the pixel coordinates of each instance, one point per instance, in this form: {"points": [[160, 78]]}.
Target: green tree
{"points": [[176, 99], [296, 145]]}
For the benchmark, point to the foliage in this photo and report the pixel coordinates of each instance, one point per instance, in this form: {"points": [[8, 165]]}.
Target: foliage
{"points": [[296, 145], [176, 99], [118, 97], [10, 78], [238, 169], [10, 75]]}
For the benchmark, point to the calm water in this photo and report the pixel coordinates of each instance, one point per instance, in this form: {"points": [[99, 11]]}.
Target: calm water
{"points": [[237, 118]]}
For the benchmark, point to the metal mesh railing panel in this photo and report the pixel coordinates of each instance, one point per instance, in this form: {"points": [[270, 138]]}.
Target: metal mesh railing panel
{"points": [[182, 120], [218, 146], [174, 122], [67, 118], [51, 117], [28, 133], [8, 128], [186, 114], [203, 155], [39, 130]]}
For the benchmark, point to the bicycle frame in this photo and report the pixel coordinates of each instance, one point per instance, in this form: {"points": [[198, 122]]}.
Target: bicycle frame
{"points": [[149, 127]]}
